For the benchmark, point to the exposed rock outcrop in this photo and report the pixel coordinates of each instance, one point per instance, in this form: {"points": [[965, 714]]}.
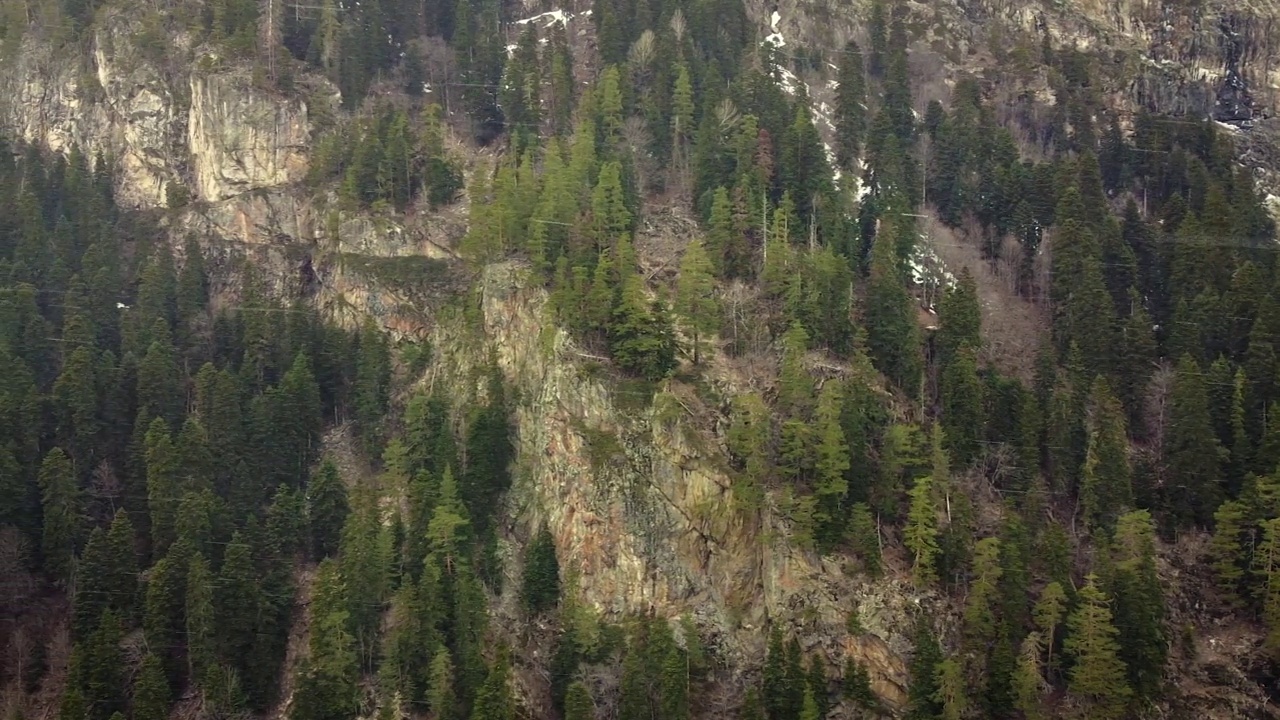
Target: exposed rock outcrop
{"points": [[639, 500]]}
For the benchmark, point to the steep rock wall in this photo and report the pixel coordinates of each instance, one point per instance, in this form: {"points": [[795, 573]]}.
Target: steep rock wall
{"points": [[240, 139], [638, 498]]}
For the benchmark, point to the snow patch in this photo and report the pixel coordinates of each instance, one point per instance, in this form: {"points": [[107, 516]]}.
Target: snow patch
{"points": [[927, 268], [552, 17], [775, 38], [1272, 203], [1229, 128]]}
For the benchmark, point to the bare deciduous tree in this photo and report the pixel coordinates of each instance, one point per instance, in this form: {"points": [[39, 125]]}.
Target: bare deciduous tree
{"points": [[105, 488]]}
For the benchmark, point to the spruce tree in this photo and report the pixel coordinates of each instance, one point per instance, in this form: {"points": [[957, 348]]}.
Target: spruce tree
{"points": [[922, 692], [440, 693], [1105, 483], [962, 405], [151, 690], [696, 301], [103, 665], [327, 510], [1028, 685], [921, 533], [980, 608], [163, 469], [1190, 448], [865, 537], [541, 589], [578, 704], [892, 333], [1048, 614], [1097, 673], [60, 513], [830, 485], [851, 106], [951, 690], [1227, 551], [372, 385], [201, 619], [1138, 606], [494, 701]]}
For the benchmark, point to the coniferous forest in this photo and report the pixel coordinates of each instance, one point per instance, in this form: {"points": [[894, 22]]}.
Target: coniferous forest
{"points": [[168, 489]]}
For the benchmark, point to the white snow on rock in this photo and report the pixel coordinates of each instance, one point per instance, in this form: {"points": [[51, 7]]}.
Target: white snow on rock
{"points": [[775, 38], [552, 17], [1272, 203]]}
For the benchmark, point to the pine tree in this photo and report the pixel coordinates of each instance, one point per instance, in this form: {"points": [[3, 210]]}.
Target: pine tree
{"points": [[748, 441], [1047, 614], [892, 333], [696, 302], [60, 513], [163, 468], [1226, 550], [541, 589], [832, 463], [960, 317], [951, 689], [640, 336], [200, 615], [922, 692], [980, 608], [103, 664], [856, 684], [236, 604], [777, 691], [1027, 681], [851, 106], [962, 405], [120, 576], [1105, 483], [440, 692], [327, 510], [493, 701], [372, 385], [1138, 606], [1098, 673], [809, 708], [578, 704], [865, 536], [1190, 448], [151, 691], [674, 689], [921, 533]]}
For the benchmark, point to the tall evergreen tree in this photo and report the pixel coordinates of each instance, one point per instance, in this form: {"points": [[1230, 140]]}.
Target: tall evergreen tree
{"points": [[60, 513], [1191, 449], [541, 574], [851, 105], [327, 510], [696, 302], [1098, 673]]}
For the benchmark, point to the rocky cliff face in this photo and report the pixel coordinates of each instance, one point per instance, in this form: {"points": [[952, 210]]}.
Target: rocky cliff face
{"points": [[638, 498]]}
